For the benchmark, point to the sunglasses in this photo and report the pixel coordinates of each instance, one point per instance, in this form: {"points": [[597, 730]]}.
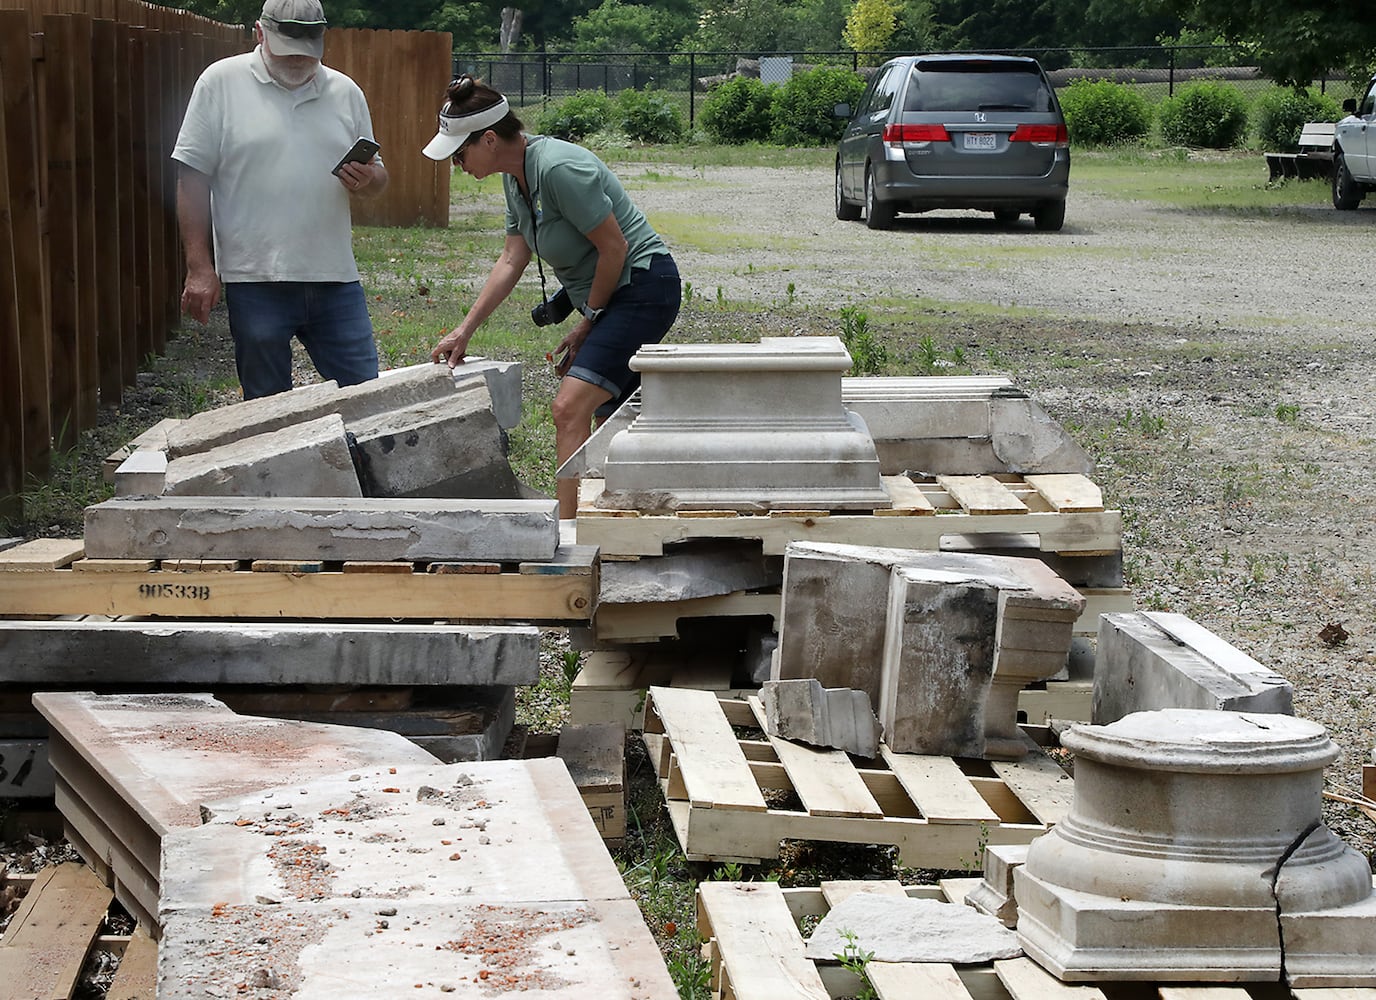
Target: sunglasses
{"points": [[458, 153], [298, 29]]}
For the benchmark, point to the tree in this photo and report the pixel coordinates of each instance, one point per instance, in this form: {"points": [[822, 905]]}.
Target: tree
{"points": [[870, 25], [618, 26], [1295, 41]]}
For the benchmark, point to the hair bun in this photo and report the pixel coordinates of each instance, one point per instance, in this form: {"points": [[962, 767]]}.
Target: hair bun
{"points": [[461, 88]]}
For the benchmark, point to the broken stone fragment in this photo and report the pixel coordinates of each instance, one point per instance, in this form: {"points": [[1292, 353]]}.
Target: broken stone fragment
{"points": [[803, 710], [902, 929]]}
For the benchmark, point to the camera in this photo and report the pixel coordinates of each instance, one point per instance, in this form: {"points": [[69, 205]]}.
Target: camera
{"points": [[554, 309]]}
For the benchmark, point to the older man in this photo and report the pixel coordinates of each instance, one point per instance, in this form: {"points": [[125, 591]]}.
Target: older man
{"points": [[264, 216]]}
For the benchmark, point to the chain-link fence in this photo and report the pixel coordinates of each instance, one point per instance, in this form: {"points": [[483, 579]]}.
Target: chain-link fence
{"points": [[532, 80]]}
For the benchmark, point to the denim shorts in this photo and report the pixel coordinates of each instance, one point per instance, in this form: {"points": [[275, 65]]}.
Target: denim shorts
{"points": [[330, 318], [639, 313]]}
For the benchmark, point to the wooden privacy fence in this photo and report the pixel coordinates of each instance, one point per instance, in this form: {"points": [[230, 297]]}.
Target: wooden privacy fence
{"points": [[91, 100]]}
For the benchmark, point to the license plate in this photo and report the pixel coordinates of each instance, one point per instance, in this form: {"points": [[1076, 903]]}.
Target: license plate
{"points": [[980, 140]]}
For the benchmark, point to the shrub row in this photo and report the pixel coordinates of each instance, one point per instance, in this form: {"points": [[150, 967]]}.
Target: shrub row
{"points": [[1206, 114]]}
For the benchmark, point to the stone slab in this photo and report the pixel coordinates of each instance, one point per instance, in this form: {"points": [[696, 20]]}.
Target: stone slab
{"points": [[222, 425], [902, 929], [702, 568], [994, 894], [306, 459], [469, 879], [503, 379], [803, 710], [210, 653], [132, 768], [446, 447], [143, 473], [323, 528], [1154, 660]]}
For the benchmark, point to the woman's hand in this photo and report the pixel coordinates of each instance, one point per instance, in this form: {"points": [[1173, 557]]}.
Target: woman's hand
{"points": [[451, 348], [568, 347]]}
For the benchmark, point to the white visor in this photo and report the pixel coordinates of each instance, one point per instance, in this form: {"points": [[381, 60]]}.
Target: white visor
{"points": [[454, 129]]}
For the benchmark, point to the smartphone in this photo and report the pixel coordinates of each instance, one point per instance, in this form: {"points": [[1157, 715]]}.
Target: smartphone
{"points": [[362, 151]]}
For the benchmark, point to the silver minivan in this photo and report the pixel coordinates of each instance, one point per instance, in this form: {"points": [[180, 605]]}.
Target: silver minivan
{"points": [[955, 131]]}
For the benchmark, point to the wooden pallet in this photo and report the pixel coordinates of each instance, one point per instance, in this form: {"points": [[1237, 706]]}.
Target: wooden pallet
{"points": [[612, 685], [938, 811], [50, 577], [755, 947], [1065, 513], [57, 927]]}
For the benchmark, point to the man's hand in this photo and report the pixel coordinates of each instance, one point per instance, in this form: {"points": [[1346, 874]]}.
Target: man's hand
{"points": [[363, 178], [201, 293]]}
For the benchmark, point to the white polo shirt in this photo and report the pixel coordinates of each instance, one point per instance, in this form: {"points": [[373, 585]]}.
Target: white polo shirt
{"points": [[277, 211]]}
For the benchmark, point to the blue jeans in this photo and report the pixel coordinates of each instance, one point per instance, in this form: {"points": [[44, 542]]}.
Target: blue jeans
{"points": [[330, 318], [638, 313]]}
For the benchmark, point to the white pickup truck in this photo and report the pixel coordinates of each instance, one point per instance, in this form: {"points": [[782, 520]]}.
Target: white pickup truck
{"points": [[1354, 150]]}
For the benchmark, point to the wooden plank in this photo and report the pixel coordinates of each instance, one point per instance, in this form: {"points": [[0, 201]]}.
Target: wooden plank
{"points": [[1336, 993], [907, 980], [63, 249], [137, 975], [205, 594], [715, 773], [939, 788], [1068, 493], [1369, 780], [907, 498], [1039, 783], [114, 565], [1025, 980], [1070, 534], [199, 565], [760, 945], [1203, 993], [981, 495], [825, 780], [106, 214], [123, 135], [42, 554], [46, 942], [86, 100]]}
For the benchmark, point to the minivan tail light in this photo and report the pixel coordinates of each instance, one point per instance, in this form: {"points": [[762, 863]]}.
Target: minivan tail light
{"points": [[896, 135], [1041, 135]]}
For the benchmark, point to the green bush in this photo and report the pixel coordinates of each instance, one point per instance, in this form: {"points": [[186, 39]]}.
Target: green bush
{"points": [[1282, 114], [1207, 114], [649, 116], [577, 116], [802, 108], [739, 111], [1101, 113]]}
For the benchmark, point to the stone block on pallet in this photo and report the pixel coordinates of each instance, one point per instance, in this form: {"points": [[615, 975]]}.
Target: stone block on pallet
{"points": [[1154, 660], [838, 624], [503, 380], [307, 459], [596, 758], [212, 428], [744, 427], [446, 447], [697, 568], [323, 528]]}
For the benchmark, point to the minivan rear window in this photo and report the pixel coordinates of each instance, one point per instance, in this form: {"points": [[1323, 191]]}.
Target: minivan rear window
{"points": [[977, 87]]}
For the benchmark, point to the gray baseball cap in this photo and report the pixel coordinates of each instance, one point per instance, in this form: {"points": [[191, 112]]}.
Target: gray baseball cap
{"points": [[297, 27]]}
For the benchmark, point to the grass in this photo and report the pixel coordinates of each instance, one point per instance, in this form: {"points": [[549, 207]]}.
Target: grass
{"points": [[1230, 181]]}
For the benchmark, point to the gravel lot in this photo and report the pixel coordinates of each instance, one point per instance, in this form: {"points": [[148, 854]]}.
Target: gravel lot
{"points": [[1214, 363]]}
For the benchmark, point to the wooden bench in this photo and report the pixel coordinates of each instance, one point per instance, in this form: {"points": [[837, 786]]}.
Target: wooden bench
{"points": [[1313, 160]]}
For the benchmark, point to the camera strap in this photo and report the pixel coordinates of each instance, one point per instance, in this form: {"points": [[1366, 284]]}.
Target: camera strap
{"points": [[534, 226]]}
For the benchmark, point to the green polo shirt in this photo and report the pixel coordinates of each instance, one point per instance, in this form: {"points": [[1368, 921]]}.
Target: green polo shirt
{"points": [[573, 191]]}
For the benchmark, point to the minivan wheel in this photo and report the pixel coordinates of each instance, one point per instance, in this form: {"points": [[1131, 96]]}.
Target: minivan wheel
{"points": [[845, 211], [878, 214], [1006, 216], [1049, 216], [1347, 193]]}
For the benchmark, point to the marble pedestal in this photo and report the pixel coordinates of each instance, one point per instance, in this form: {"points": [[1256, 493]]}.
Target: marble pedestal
{"points": [[744, 427], [1194, 851]]}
